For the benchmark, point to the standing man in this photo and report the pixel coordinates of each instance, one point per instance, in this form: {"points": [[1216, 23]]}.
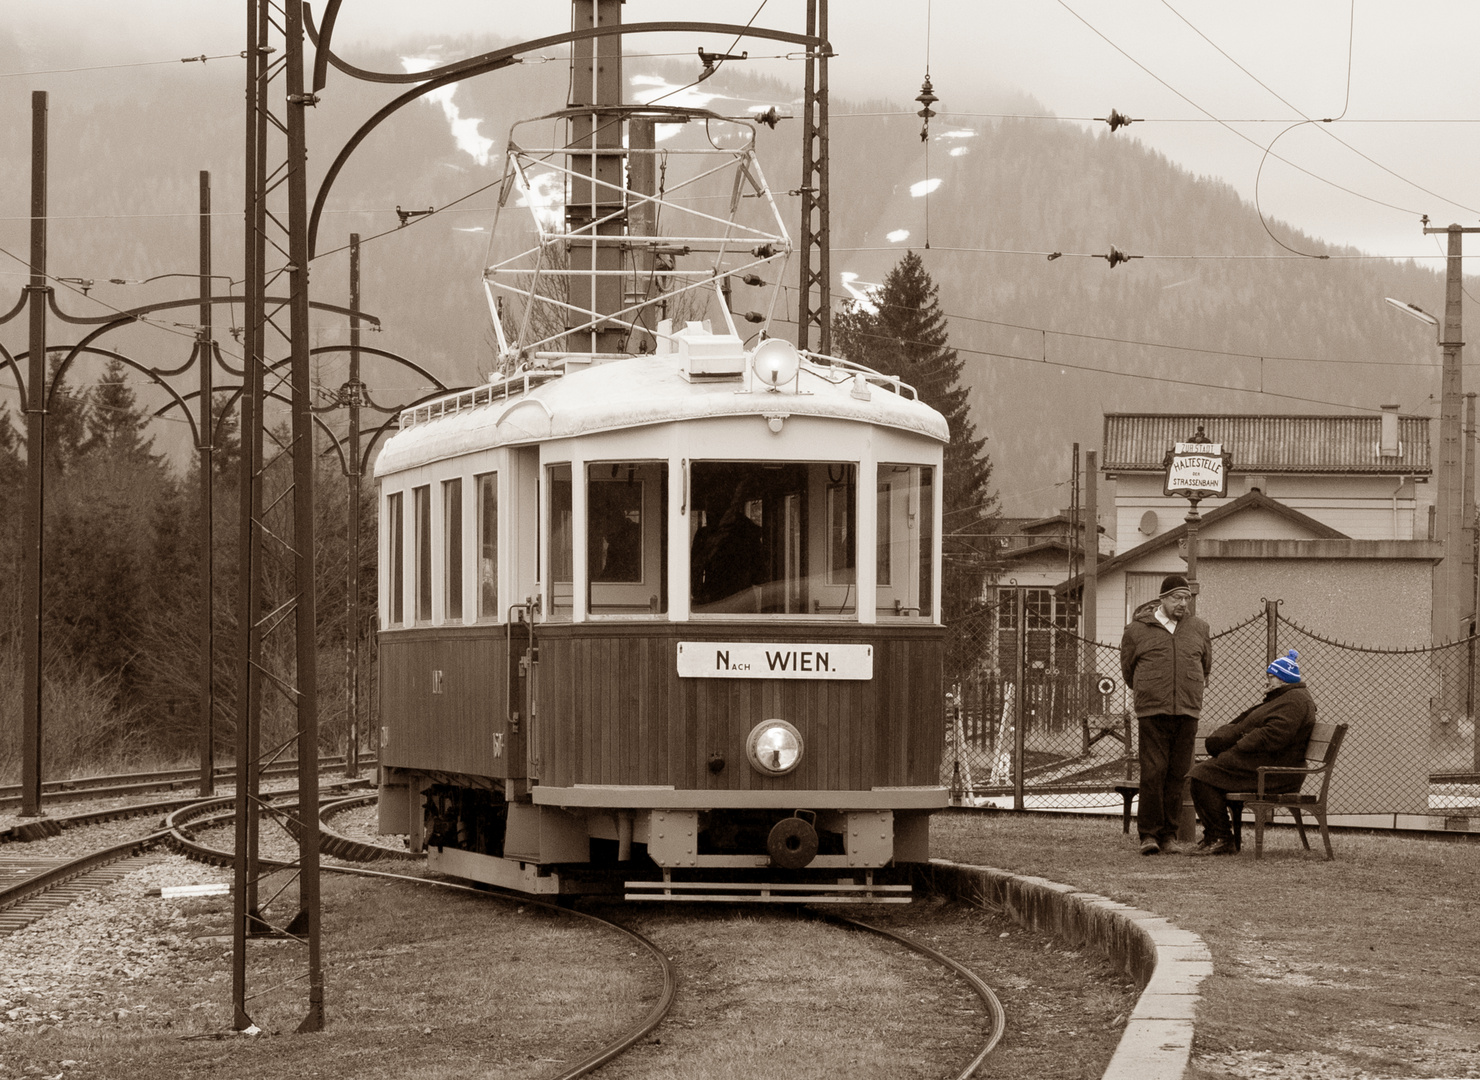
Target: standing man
{"points": [[1166, 658]]}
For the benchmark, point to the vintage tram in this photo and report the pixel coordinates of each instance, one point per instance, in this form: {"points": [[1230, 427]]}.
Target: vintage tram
{"points": [[660, 615]]}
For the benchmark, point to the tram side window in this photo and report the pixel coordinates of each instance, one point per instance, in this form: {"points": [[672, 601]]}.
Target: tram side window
{"points": [[769, 538], [906, 541], [396, 542], [561, 561], [627, 538], [487, 490], [422, 508], [452, 545]]}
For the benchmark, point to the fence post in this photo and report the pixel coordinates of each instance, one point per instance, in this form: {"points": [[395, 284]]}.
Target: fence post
{"points": [[1020, 665], [1271, 631]]}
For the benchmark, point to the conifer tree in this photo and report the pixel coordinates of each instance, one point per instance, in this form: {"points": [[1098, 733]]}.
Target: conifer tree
{"points": [[902, 331], [115, 422]]}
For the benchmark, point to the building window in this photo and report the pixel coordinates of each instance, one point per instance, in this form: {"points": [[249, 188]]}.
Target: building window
{"points": [[422, 509], [452, 549], [487, 486], [397, 547]]}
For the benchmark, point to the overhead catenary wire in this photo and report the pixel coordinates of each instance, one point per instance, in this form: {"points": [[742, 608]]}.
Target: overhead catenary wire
{"points": [[1339, 117], [1200, 384], [1225, 124], [1240, 354], [201, 59]]}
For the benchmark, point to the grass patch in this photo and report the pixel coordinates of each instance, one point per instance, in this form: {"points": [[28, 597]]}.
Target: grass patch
{"points": [[1368, 966]]}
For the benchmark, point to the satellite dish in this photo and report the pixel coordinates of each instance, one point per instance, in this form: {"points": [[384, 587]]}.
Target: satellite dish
{"points": [[1148, 522]]}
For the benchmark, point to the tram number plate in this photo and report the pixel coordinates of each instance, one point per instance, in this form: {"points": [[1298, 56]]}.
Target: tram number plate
{"points": [[774, 660]]}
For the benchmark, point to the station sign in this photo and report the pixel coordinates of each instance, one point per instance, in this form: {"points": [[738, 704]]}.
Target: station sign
{"points": [[1197, 470], [774, 660]]}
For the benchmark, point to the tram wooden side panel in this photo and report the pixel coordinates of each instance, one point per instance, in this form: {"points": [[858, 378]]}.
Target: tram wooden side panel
{"points": [[462, 729], [605, 692]]}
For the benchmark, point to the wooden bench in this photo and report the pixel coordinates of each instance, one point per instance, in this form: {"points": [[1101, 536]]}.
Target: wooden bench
{"points": [[1320, 758]]}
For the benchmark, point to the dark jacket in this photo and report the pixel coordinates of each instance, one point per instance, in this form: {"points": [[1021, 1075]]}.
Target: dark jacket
{"points": [[1167, 671], [1274, 732]]}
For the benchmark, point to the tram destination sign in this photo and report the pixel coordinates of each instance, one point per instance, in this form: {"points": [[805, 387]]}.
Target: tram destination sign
{"points": [[1197, 470], [774, 660]]}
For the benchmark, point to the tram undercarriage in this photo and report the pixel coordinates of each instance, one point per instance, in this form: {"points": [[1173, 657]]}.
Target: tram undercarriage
{"points": [[763, 853]]}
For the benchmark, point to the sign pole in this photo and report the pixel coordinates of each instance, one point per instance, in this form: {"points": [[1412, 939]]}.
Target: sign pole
{"points": [[1193, 520], [1196, 469]]}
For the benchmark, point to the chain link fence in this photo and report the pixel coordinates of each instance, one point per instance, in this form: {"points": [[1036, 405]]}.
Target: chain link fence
{"points": [[1038, 718]]}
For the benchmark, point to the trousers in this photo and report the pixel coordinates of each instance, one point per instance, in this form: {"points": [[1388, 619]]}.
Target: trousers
{"points": [[1166, 756], [1212, 810]]}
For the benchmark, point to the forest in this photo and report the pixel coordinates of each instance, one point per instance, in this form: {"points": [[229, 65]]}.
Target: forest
{"points": [[123, 589]]}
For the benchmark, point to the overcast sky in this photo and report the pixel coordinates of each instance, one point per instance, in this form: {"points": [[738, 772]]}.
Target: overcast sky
{"points": [[1406, 98]]}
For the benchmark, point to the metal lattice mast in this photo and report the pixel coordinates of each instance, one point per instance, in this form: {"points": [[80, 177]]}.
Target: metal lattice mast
{"points": [[277, 548], [596, 80], [815, 299]]}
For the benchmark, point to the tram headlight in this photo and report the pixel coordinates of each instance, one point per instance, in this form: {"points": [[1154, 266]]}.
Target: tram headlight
{"points": [[775, 362], [774, 747]]}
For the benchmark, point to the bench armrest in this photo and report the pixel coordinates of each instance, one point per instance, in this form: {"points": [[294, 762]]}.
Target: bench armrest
{"points": [[1303, 770]]}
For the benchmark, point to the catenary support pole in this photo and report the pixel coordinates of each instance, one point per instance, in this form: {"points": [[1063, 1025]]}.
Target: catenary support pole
{"points": [[1449, 589], [245, 917], [814, 299], [1468, 610], [205, 358], [352, 460], [35, 516], [1019, 740], [306, 923], [1090, 604]]}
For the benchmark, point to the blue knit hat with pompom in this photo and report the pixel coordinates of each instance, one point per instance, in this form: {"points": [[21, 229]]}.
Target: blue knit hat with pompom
{"points": [[1285, 668]]}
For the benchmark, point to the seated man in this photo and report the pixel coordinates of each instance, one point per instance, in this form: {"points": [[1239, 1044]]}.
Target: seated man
{"points": [[1274, 732]]}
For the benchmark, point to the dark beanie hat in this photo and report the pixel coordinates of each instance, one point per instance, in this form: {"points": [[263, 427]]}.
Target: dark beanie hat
{"points": [[1285, 668], [1173, 581]]}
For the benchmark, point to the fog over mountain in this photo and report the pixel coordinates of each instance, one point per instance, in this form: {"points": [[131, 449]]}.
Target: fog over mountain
{"points": [[1214, 316]]}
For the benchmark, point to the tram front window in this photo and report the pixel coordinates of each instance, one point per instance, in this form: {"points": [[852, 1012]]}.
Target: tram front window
{"points": [[773, 538], [905, 524], [627, 538]]}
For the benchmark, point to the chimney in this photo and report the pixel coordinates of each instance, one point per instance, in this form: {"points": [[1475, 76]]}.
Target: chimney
{"points": [[1389, 446]]}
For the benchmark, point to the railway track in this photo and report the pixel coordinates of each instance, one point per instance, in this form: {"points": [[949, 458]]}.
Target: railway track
{"points": [[35, 888], [32, 887], [996, 1014], [81, 788], [30, 891]]}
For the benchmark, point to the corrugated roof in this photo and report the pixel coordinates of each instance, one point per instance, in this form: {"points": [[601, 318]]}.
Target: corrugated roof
{"points": [[1138, 442]]}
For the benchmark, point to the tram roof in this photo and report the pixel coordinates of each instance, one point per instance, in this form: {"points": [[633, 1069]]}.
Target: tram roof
{"points": [[634, 392]]}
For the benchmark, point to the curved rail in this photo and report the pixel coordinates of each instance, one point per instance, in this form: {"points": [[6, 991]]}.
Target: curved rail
{"points": [[203, 814], [107, 786], [93, 860], [993, 1004]]}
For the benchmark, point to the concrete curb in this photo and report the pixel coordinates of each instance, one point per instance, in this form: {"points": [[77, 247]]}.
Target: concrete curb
{"points": [[1169, 963]]}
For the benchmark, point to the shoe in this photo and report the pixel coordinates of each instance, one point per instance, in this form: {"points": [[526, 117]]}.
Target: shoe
{"points": [[1150, 847], [1169, 846], [1200, 848], [1217, 847]]}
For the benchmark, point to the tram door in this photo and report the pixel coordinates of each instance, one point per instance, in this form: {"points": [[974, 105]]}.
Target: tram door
{"points": [[522, 571]]}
